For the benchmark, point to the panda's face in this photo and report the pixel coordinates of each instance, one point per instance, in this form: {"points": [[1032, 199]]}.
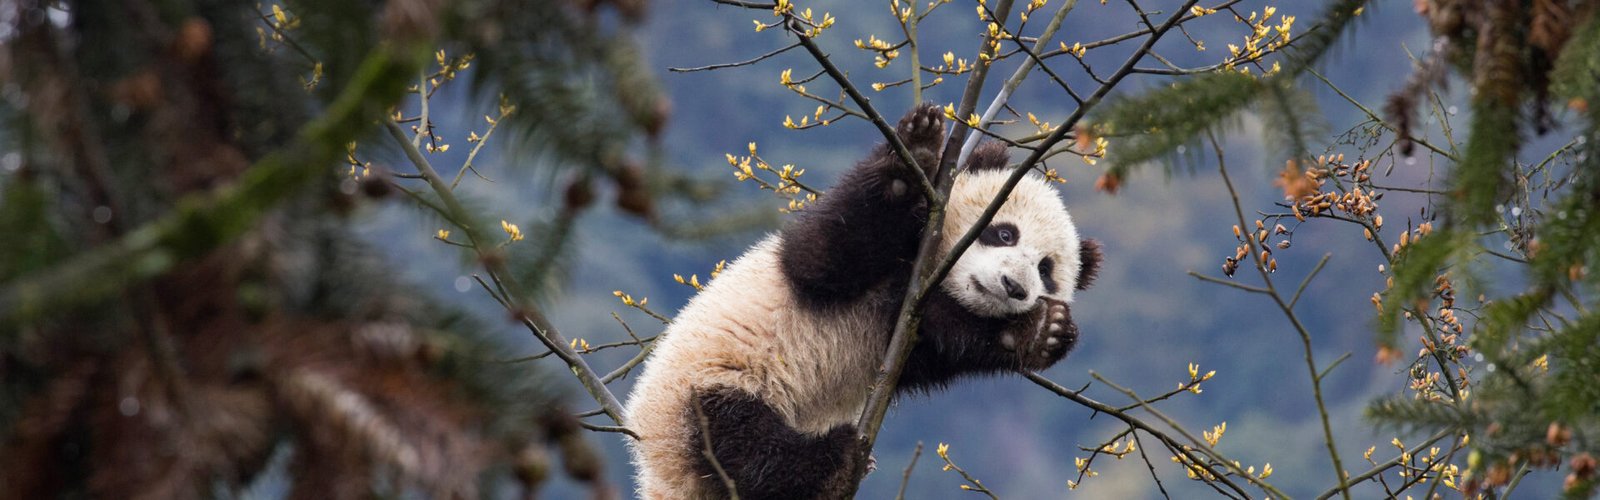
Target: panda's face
{"points": [[1006, 271], [1028, 251]]}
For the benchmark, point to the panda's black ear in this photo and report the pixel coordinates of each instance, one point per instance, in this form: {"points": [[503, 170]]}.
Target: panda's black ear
{"points": [[989, 155], [1088, 263]]}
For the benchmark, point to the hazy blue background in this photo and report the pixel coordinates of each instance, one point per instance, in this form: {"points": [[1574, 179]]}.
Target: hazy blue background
{"points": [[1142, 323]]}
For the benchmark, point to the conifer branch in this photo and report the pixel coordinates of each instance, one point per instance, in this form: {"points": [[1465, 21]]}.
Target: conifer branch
{"points": [[203, 222]]}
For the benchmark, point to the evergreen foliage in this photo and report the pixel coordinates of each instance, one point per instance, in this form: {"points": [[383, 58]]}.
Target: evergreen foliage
{"points": [[1531, 402], [181, 295]]}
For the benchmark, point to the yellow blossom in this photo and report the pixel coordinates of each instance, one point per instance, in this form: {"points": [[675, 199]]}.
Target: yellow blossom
{"points": [[1215, 434], [511, 230], [443, 234]]}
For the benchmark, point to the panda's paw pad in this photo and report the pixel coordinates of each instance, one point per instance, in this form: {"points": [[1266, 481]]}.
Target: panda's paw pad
{"points": [[922, 129], [1054, 334]]}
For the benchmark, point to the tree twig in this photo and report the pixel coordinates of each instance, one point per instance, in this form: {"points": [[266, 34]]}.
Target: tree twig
{"points": [[747, 62], [905, 478], [1380, 468], [1167, 440], [706, 450], [1307, 281], [1209, 451], [1223, 282], [494, 263]]}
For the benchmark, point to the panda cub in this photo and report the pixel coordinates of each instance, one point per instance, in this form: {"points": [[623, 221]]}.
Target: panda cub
{"points": [[778, 353]]}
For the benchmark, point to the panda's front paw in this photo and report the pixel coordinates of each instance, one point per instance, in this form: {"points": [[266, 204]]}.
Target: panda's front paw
{"points": [[922, 131], [1048, 335], [922, 127]]}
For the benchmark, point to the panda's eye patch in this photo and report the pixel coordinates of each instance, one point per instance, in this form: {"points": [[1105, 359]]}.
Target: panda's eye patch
{"points": [[1002, 234], [1047, 268]]}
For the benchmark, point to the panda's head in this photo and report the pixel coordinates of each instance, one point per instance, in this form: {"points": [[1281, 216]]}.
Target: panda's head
{"points": [[1030, 250]]}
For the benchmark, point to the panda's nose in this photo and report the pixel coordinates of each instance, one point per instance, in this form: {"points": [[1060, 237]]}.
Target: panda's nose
{"points": [[1013, 290]]}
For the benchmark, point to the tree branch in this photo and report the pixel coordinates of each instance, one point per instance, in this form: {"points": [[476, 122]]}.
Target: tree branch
{"points": [[494, 263], [1131, 420]]}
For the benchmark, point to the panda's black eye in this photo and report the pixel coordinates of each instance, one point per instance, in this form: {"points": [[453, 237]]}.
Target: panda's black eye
{"points": [[1000, 235]]}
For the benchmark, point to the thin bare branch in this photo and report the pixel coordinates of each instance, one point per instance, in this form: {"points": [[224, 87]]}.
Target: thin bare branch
{"points": [[1380, 468], [1220, 281], [706, 450], [1167, 440], [1201, 445], [905, 478], [1307, 281], [747, 62]]}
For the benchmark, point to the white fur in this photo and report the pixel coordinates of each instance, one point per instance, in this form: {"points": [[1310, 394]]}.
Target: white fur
{"points": [[747, 330]]}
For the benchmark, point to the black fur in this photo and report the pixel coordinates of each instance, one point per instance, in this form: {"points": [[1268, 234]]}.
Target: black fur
{"points": [[1088, 263], [865, 228], [988, 156], [954, 343], [765, 458], [1047, 274]]}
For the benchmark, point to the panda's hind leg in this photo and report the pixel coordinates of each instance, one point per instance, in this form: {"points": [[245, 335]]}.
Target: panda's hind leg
{"points": [[763, 456]]}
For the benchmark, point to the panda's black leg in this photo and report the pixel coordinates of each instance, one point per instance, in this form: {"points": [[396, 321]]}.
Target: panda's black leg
{"points": [[765, 458], [953, 342], [865, 227]]}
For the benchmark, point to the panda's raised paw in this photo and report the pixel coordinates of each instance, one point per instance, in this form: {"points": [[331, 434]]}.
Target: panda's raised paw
{"points": [[923, 126], [922, 132], [1053, 335]]}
